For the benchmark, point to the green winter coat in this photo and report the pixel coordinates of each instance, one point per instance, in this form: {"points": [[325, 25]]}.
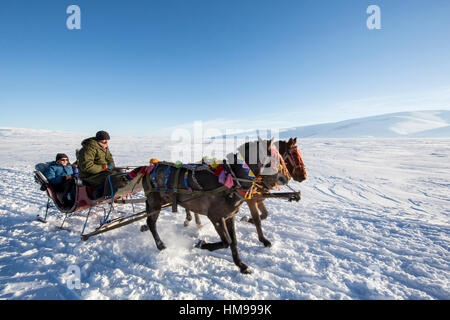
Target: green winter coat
{"points": [[91, 160]]}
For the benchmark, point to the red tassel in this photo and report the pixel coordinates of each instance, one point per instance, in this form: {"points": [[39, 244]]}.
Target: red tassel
{"points": [[218, 170], [132, 174]]}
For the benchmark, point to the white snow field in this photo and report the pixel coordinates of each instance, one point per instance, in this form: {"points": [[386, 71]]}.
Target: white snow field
{"points": [[373, 223]]}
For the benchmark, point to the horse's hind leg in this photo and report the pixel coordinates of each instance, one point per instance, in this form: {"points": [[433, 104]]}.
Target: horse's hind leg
{"points": [[233, 246], [153, 208], [188, 219], [198, 222]]}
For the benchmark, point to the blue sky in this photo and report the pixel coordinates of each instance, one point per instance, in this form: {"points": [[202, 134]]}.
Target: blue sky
{"points": [[146, 67]]}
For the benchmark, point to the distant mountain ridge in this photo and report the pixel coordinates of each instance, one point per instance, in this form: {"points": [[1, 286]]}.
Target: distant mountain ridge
{"points": [[412, 124], [416, 124]]}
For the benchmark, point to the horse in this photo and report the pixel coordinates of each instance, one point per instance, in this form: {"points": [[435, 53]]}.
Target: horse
{"points": [[294, 163], [255, 165]]}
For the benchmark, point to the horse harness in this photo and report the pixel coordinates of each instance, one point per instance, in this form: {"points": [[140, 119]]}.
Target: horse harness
{"points": [[257, 186]]}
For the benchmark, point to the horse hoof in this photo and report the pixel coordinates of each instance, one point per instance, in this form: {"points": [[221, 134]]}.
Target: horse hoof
{"points": [[245, 218], [144, 228], [186, 223], [199, 244], [246, 270], [161, 246], [199, 226], [267, 243]]}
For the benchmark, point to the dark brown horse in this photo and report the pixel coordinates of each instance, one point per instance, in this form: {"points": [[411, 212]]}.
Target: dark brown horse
{"points": [[220, 208], [294, 163]]}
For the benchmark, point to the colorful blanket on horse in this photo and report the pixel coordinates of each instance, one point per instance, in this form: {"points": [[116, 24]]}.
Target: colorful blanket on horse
{"points": [[189, 172]]}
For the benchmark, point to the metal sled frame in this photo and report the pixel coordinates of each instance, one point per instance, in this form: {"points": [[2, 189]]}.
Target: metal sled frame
{"points": [[83, 203]]}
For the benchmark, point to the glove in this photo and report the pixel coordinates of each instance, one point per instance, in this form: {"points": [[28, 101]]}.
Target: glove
{"points": [[108, 166], [75, 172]]}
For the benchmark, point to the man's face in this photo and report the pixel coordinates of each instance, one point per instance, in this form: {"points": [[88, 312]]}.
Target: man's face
{"points": [[103, 143]]}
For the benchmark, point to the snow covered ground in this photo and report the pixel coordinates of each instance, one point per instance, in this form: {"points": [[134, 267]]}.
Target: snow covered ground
{"points": [[373, 223]]}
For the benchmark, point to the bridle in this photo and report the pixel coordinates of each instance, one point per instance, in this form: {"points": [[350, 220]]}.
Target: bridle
{"points": [[289, 156], [257, 183], [281, 163]]}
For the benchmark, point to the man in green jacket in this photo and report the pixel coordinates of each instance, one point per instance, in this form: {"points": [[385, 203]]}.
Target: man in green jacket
{"points": [[95, 162]]}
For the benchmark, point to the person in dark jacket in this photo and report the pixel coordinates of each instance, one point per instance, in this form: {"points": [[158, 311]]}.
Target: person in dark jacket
{"points": [[95, 162], [59, 175]]}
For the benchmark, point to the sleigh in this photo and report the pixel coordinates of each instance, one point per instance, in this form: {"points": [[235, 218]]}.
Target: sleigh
{"points": [[116, 192]]}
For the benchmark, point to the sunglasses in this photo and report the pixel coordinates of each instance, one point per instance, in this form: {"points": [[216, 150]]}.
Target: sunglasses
{"points": [[65, 160]]}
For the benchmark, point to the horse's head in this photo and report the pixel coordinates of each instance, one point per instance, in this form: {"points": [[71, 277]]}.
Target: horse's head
{"points": [[293, 159], [265, 161]]}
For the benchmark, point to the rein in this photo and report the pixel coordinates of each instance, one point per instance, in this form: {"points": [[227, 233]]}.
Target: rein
{"points": [[257, 184]]}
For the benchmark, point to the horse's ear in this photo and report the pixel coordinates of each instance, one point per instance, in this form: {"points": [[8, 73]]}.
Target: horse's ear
{"points": [[295, 140], [291, 143]]}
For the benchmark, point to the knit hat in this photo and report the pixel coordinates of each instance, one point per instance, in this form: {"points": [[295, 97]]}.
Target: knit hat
{"points": [[102, 135], [60, 156]]}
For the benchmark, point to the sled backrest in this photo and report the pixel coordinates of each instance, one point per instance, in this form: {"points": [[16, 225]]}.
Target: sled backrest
{"points": [[39, 176], [42, 166]]}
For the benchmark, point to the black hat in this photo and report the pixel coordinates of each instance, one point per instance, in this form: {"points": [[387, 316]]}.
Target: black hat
{"points": [[102, 135], [60, 156]]}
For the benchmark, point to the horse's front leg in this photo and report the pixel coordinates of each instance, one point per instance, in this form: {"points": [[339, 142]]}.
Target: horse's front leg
{"points": [[221, 229], [250, 203], [153, 207], [262, 208], [256, 219], [233, 246]]}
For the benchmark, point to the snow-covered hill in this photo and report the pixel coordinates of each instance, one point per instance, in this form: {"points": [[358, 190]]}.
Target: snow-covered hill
{"points": [[373, 223], [419, 124]]}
